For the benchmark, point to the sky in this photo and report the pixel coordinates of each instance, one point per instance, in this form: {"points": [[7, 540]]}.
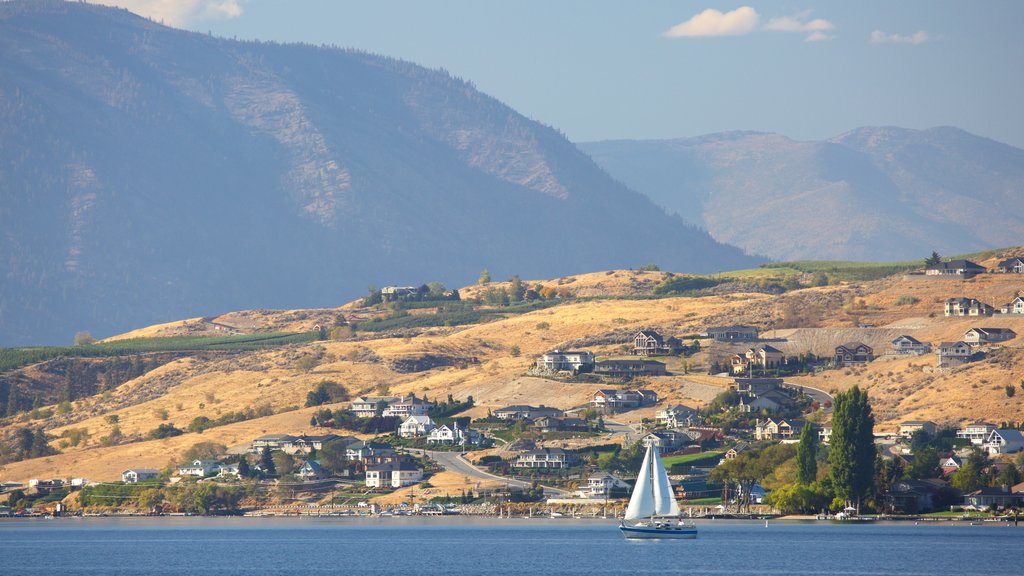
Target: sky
{"points": [[652, 69]]}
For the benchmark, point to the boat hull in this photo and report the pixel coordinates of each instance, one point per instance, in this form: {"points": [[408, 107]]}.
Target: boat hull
{"points": [[670, 532]]}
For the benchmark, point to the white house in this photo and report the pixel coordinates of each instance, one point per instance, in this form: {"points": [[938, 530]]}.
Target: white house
{"points": [[599, 485], [200, 468], [988, 335], [558, 361], [1015, 306], [907, 428], [825, 434], [406, 406], [415, 426], [1004, 441], [976, 432], [366, 406], [675, 416], [393, 474], [133, 475], [310, 470], [909, 345], [453, 434]]}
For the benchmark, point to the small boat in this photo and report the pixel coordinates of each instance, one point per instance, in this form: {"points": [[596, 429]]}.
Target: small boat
{"points": [[653, 503]]}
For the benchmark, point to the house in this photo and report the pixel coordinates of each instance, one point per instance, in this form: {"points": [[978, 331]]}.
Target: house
{"points": [[390, 293], [666, 441], [950, 464], [988, 497], [524, 412], [1011, 266], [555, 424], [908, 427], [134, 475], [675, 416], [368, 452], [228, 470], [952, 354], [976, 432], [755, 386], [825, 434], [415, 426], [766, 357], [303, 444], [967, 307], [600, 485], [732, 333], [650, 343], [737, 450], [558, 361], [630, 368], [608, 401], [546, 458], [200, 468], [271, 442], [853, 353], [906, 345], [1004, 441], [781, 429], [988, 335], [912, 496], [1015, 306], [310, 470], [366, 406], [453, 434], [393, 474], [405, 406], [772, 401], [959, 267]]}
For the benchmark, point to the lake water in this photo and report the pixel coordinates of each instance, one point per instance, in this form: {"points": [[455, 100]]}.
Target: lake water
{"points": [[465, 546]]}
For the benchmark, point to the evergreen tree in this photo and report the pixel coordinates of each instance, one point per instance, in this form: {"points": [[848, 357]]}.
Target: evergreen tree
{"points": [[806, 456], [485, 277], [267, 462], [933, 260], [243, 468], [12, 399], [852, 449]]}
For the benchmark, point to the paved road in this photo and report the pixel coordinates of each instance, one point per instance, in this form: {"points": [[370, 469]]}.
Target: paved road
{"points": [[619, 429], [455, 462], [819, 396]]}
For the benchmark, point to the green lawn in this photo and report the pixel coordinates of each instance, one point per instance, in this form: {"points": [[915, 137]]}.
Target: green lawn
{"points": [[687, 458], [702, 501]]}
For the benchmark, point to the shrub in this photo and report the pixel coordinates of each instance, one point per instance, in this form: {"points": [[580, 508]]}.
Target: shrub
{"points": [[164, 431], [907, 300], [1010, 391]]}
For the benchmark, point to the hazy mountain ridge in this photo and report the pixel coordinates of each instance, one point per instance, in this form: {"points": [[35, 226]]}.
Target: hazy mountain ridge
{"points": [[874, 193], [159, 173]]}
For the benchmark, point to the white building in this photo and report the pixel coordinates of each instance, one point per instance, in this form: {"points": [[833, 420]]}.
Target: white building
{"points": [[976, 432], [557, 361], [453, 434], [199, 468], [406, 406], [393, 474], [134, 475], [1004, 441], [415, 426]]}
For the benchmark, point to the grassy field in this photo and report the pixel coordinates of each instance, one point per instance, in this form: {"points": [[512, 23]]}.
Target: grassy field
{"points": [[687, 458]]}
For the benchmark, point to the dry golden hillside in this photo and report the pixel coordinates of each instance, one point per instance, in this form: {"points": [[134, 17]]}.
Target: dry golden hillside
{"points": [[489, 361]]}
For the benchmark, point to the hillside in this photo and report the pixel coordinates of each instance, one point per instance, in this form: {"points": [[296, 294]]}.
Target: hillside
{"points": [[871, 194], [489, 361], [163, 174]]}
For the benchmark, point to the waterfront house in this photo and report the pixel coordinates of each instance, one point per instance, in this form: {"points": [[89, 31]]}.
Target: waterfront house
{"points": [[976, 432], [853, 353], [558, 361], [546, 458], [912, 496], [907, 345], [952, 354], [977, 336], [394, 474], [1004, 441], [732, 333], [135, 475], [990, 496], [414, 426], [600, 485], [630, 368], [908, 427], [959, 267]]}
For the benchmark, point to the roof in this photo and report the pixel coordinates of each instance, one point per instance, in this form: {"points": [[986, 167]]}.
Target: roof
{"points": [[1010, 435], [732, 329], [956, 265], [740, 447], [142, 471], [916, 423], [910, 339], [767, 348], [1010, 262], [419, 419], [275, 437], [853, 345], [994, 330], [649, 334]]}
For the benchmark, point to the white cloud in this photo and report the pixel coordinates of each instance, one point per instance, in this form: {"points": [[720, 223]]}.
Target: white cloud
{"points": [[711, 22], [181, 12], [919, 37], [817, 29]]}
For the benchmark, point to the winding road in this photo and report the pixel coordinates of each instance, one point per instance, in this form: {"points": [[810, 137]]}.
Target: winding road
{"points": [[456, 462]]}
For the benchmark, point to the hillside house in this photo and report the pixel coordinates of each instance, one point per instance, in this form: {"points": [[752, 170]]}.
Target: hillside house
{"points": [[135, 475], [765, 356], [732, 333], [736, 450], [1011, 266], [304, 444], [959, 267], [454, 435], [976, 432], [912, 496], [782, 429], [1004, 441], [908, 345], [558, 361], [853, 353], [415, 426], [546, 458], [525, 412], [1015, 306], [369, 452], [406, 406], [393, 474], [908, 427], [666, 441], [630, 368], [555, 424], [366, 406], [608, 401], [988, 335], [950, 464], [953, 354], [825, 434], [967, 307], [310, 471], [391, 293], [675, 416], [199, 468], [650, 343]]}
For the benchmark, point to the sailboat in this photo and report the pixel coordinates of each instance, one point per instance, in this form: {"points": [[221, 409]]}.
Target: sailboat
{"points": [[653, 503]]}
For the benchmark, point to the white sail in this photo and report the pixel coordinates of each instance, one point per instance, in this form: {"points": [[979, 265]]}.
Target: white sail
{"points": [[641, 503], [664, 498]]}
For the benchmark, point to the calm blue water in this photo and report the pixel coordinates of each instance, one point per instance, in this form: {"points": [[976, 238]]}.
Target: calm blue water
{"points": [[415, 547]]}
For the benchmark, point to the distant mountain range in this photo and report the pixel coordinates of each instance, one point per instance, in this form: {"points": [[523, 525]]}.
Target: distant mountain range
{"points": [[870, 194], [150, 174]]}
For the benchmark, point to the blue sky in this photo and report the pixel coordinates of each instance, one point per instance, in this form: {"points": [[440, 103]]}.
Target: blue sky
{"points": [[600, 70]]}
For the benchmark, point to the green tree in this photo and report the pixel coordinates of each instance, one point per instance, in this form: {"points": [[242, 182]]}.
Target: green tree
{"points": [[924, 465], [150, 498], [852, 449], [807, 455], [967, 478], [244, 470], [205, 451], [933, 260], [1008, 476], [516, 290], [485, 277], [267, 462], [333, 458], [84, 339]]}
